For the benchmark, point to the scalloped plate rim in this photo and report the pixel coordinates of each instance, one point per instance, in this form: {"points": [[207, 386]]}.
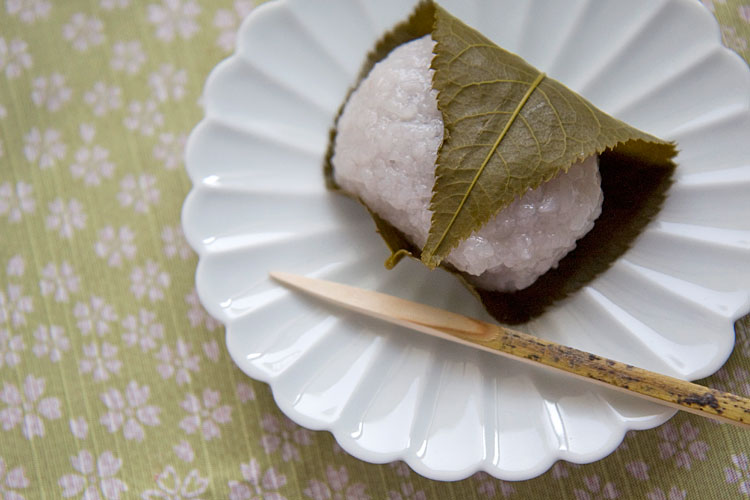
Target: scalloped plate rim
{"points": [[353, 446]]}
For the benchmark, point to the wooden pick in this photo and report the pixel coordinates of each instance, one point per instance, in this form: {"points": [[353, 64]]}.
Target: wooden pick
{"points": [[655, 387]]}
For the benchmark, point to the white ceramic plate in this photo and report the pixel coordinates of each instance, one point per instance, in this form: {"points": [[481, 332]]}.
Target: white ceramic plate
{"points": [[259, 204]]}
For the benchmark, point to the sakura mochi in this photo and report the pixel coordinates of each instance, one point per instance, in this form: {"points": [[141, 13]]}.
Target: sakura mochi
{"points": [[470, 159], [385, 153]]}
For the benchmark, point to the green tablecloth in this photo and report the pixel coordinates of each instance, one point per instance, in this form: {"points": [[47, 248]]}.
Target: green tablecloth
{"points": [[114, 382]]}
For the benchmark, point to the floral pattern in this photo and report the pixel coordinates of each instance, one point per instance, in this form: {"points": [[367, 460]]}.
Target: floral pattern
{"points": [[682, 444], [149, 281], [14, 305], [11, 347], [14, 57], [60, 282], [145, 118], [25, 407], [169, 149], [493, 488], [171, 487], [50, 342], [142, 330], [92, 164], [407, 492], [178, 362], [115, 382], [129, 411], [337, 487], [115, 245], [173, 18], [228, 21], [205, 414], [257, 484], [283, 435], [12, 481], [28, 11], [15, 200], [100, 360], [739, 473], [197, 316], [94, 316], [594, 488], [95, 480], [79, 427], [103, 98], [44, 149], [83, 31], [65, 217], [128, 57], [184, 451], [674, 493], [51, 92]]}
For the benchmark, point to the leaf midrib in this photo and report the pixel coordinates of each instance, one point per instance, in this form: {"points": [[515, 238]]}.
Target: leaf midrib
{"points": [[493, 149]]}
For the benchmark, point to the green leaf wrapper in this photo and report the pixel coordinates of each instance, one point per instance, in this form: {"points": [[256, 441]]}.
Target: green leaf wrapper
{"points": [[508, 128]]}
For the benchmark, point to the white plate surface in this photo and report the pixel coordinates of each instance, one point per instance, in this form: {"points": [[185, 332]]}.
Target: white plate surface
{"points": [[259, 204]]}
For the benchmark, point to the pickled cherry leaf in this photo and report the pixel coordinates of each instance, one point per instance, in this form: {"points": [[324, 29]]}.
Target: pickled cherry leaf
{"points": [[508, 128]]}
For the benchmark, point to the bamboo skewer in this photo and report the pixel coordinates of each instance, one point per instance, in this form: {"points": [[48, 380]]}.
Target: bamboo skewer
{"points": [[675, 393]]}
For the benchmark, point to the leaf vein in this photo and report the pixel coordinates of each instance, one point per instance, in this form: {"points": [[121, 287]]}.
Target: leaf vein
{"points": [[466, 49], [533, 135], [516, 112], [480, 115]]}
